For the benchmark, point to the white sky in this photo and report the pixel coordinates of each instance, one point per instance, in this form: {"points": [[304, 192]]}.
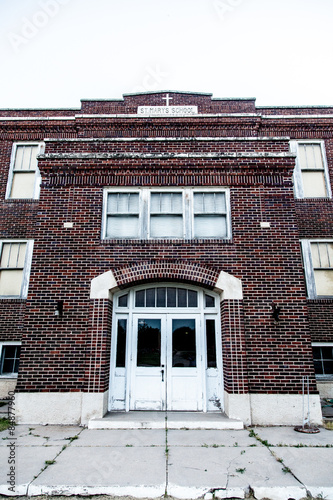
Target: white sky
{"points": [[56, 52]]}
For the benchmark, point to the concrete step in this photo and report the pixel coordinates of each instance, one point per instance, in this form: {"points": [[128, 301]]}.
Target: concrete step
{"points": [[161, 420]]}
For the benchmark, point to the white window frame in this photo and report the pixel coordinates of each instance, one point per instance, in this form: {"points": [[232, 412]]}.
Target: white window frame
{"points": [[297, 176], [26, 268], [3, 344], [188, 211], [323, 344], [12, 171], [309, 267]]}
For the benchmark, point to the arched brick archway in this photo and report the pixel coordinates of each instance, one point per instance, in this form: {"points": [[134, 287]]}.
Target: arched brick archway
{"points": [[228, 285]]}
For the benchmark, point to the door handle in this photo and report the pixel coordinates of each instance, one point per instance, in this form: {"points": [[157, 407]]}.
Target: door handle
{"points": [[162, 371]]}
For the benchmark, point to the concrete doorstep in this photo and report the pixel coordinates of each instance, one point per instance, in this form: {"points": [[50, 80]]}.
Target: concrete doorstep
{"points": [[276, 463]]}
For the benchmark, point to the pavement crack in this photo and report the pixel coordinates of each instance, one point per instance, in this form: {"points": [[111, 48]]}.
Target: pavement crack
{"points": [[166, 456], [285, 468], [48, 463]]}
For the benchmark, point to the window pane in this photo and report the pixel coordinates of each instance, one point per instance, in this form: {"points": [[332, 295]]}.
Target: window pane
{"points": [[171, 297], [26, 158], [10, 359], [211, 343], [183, 343], [327, 352], [328, 367], [210, 227], [150, 297], [121, 343], [140, 298], [123, 203], [13, 255], [316, 352], [192, 298], [122, 227], [314, 185], [209, 301], [149, 342], [10, 282], [122, 301], [182, 297], [166, 203], [322, 254], [324, 282], [209, 203], [318, 367], [161, 297], [166, 226], [310, 156], [23, 185]]}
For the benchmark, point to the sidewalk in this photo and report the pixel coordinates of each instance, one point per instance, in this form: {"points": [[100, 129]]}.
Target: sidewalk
{"points": [[275, 463]]}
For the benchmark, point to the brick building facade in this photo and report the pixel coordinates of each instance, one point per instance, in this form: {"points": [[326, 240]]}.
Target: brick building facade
{"points": [[168, 250]]}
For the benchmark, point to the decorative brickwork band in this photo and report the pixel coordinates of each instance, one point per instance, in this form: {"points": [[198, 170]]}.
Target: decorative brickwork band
{"points": [[168, 271]]}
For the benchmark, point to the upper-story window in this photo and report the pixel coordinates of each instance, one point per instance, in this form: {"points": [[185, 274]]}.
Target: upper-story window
{"points": [[170, 213], [318, 267], [311, 178], [15, 263], [24, 177]]}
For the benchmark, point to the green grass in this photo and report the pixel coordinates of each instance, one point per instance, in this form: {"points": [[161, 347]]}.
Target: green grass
{"points": [[4, 424]]}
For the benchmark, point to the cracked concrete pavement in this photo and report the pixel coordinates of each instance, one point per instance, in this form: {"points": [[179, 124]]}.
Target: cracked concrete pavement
{"points": [[275, 463]]}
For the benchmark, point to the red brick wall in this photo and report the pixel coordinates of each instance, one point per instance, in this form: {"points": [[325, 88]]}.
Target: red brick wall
{"points": [[56, 354]]}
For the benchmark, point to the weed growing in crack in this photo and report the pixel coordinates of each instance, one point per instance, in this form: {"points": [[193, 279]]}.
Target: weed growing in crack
{"points": [[49, 462], [241, 471]]}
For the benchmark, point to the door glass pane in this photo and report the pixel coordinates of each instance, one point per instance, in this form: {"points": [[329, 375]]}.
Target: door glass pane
{"points": [[183, 343], [149, 342], [211, 343], [121, 343]]}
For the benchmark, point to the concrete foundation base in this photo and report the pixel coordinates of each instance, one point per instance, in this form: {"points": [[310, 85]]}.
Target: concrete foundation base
{"points": [[7, 385], [68, 408], [80, 408]]}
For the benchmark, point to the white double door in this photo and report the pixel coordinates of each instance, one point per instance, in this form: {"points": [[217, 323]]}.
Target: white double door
{"points": [[166, 363]]}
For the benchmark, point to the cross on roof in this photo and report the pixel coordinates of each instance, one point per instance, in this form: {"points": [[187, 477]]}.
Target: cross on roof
{"points": [[167, 99]]}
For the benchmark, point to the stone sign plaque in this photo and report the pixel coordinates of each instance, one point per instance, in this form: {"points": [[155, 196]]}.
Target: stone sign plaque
{"points": [[167, 110]]}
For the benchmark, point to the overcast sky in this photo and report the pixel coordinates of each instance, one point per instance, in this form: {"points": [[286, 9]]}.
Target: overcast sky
{"points": [[56, 52]]}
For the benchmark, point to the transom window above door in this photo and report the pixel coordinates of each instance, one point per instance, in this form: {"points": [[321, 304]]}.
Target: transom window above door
{"points": [[166, 214], [166, 296]]}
